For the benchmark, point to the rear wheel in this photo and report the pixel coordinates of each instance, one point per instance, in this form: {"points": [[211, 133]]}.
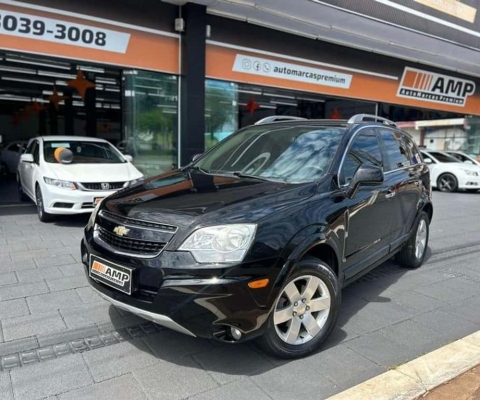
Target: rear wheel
{"points": [[413, 253], [42, 215], [305, 312], [447, 183]]}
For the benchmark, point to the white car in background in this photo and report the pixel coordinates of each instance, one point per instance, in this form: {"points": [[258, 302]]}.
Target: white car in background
{"points": [[448, 174], [71, 174], [10, 156], [464, 157]]}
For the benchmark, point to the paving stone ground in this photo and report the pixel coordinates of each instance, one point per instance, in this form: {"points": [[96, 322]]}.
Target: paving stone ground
{"points": [[391, 316]]}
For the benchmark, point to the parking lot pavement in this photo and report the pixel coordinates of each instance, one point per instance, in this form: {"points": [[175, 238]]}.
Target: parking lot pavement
{"points": [[58, 338]]}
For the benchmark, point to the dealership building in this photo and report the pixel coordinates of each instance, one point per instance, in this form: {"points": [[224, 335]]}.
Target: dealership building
{"points": [[166, 80]]}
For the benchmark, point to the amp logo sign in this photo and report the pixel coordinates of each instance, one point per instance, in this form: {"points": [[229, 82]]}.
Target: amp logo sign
{"points": [[428, 86]]}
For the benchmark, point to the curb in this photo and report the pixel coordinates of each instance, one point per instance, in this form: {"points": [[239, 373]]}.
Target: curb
{"points": [[417, 377]]}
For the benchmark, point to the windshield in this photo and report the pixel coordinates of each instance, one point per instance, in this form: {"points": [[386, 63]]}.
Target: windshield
{"points": [[444, 158], [84, 152], [292, 154]]}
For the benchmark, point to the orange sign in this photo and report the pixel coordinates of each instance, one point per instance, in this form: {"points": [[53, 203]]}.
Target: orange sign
{"points": [[452, 7], [223, 63], [55, 34]]}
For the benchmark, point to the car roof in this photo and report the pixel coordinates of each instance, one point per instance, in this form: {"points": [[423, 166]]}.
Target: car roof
{"points": [[71, 138]]}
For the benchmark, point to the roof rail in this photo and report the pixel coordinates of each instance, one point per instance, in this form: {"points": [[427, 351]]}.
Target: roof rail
{"points": [[361, 117], [276, 118]]}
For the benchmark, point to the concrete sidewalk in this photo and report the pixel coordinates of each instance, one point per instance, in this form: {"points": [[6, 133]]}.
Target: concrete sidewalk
{"points": [[58, 338]]}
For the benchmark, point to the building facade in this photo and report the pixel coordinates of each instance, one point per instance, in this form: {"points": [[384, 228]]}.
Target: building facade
{"points": [[165, 82]]}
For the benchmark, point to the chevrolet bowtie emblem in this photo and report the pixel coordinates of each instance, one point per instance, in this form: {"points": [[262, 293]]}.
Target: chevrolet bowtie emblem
{"points": [[121, 230]]}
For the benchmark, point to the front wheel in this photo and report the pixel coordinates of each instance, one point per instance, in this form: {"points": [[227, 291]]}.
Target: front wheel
{"points": [[42, 215], [413, 253], [305, 312]]}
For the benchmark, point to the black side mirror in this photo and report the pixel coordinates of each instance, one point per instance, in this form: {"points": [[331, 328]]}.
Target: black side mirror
{"points": [[367, 174]]}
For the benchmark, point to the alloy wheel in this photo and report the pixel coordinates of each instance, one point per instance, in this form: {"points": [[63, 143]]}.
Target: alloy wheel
{"points": [[447, 183], [302, 310], [39, 199], [421, 239]]}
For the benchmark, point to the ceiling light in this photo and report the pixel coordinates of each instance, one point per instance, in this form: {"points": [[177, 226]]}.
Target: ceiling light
{"points": [[56, 75], [7, 78], [284, 103], [19, 70], [41, 64], [279, 95], [91, 69]]}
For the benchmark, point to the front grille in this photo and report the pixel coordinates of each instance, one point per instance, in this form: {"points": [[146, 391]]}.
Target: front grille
{"points": [[130, 245], [135, 222], [98, 185], [87, 205]]}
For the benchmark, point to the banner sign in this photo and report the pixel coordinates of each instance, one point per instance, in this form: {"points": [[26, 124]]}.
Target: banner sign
{"points": [[293, 72], [59, 31], [407, 86], [428, 86]]}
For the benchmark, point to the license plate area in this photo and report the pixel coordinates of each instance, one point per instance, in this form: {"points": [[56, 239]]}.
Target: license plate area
{"points": [[111, 274]]}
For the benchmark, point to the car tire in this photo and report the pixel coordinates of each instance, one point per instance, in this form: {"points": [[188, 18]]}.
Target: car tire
{"points": [[21, 194], [42, 215], [280, 338], [447, 183], [414, 252]]}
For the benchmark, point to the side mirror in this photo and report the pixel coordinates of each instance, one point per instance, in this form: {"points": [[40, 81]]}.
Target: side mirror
{"points": [[128, 157], [27, 158], [428, 160], [468, 162], [196, 156], [367, 174]]}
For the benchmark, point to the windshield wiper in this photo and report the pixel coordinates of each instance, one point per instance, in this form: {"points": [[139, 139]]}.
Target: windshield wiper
{"points": [[260, 178]]}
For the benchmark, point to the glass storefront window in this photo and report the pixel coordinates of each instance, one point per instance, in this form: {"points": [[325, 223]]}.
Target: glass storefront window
{"points": [[221, 111], [150, 121]]}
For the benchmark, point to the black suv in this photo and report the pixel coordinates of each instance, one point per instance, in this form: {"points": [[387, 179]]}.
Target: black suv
{"points": [[257, 237]]}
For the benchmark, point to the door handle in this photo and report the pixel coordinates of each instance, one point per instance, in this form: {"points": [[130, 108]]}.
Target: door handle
{"points": [[390, 193]]}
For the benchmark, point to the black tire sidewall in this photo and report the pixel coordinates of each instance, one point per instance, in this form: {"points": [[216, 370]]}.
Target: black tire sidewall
{"points": [[274, 344], [408, 251]]}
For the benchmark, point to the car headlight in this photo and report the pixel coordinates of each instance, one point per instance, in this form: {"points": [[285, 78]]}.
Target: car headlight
{"points": [[59, 183], [470, 173], [220, 244], [135, 181]]}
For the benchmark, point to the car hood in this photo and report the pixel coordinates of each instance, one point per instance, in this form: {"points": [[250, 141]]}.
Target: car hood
{"points": [[180, 198], [93, 172]]}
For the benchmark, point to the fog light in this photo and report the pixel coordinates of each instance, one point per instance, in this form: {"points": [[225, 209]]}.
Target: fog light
{"points": [[236, 334]]}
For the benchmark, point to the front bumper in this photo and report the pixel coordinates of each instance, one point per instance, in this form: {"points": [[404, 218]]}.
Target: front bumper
{"points": [[66, 202], [202, 303], [469, 182], [157, 318]]}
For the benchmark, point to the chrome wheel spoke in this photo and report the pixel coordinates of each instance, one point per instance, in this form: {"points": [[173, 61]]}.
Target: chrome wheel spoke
{"points": [[320, 304], [311, 288], [283, 315], [292, 292], [293, 331], [311, 324]]}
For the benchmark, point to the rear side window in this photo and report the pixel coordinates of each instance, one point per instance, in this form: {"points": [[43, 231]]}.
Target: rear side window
{"points": [[396, 150], [364, 149], [415, 157]]}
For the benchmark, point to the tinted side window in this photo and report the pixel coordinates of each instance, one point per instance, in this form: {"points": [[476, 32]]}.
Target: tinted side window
{"points": [[365, 148], [35, 152], [397, 153]]}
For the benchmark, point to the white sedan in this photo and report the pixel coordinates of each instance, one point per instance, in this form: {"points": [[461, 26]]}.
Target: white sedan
{"points": [[71, 175], [464, 157], [449, 174]]}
